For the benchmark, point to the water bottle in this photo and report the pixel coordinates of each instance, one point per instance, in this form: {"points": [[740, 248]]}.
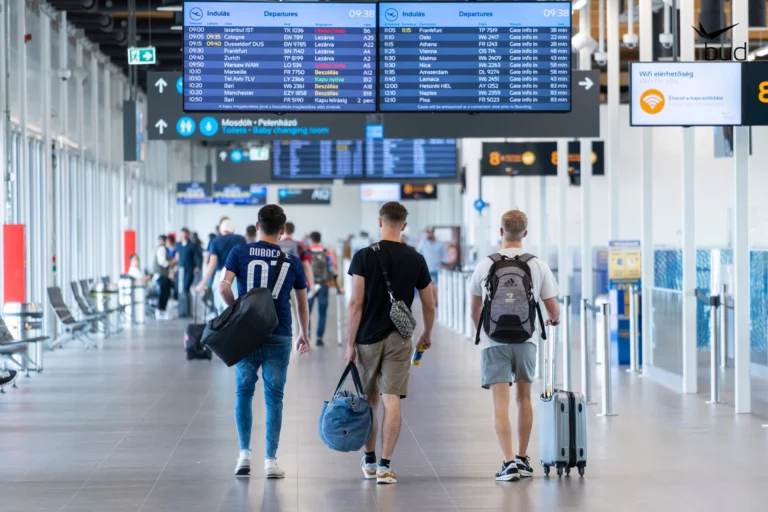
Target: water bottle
{"points": [[416, 359]]}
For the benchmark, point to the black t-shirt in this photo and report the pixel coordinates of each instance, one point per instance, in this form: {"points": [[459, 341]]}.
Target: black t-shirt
{"points": [[407, 270]]}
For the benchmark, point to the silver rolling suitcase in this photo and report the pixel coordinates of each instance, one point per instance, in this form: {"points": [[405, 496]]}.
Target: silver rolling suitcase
{"points": [[562, 423]]}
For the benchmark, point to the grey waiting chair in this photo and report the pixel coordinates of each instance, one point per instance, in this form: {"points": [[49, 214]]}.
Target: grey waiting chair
{"points": [[72, 329]]}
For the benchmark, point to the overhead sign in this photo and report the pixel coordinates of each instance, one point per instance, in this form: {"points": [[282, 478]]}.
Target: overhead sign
{"points": [[317, 195], [379, 192], [168, 121], [685, 93], [240, 194], [536, 159], [582, 121], [754, 93], [418, 192], [192, 193], [142, 56]]}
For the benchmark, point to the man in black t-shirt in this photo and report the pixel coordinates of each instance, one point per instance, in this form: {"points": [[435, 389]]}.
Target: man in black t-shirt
{"points": [[382, 355]]}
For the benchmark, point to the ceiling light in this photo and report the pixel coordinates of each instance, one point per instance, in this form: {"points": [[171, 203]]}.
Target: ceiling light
{"points": [[760, 52], [171, 8], [177, 27], [578, 4]]}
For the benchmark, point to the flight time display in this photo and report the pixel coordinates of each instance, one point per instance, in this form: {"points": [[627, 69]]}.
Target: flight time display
{"points": [[474, 57], [411, 159], [297, 160], [279, 57]]}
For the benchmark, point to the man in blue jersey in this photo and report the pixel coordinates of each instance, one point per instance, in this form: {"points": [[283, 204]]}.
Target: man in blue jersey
{"points": [[254, 266], [219, 250]]}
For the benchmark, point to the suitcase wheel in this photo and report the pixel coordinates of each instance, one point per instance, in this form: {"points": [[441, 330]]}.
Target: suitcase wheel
{"points": [[567, 471], [559, 472], [546, 470], [581, 470]]}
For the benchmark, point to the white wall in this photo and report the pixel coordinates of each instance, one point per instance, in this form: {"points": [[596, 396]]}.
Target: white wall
{"points": [[714, 191]]}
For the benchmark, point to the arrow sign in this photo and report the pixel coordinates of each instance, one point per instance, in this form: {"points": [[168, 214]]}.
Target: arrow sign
{"points": [[161, 84], [161, 125], [139, 56], [587, 83], [223, 155]]}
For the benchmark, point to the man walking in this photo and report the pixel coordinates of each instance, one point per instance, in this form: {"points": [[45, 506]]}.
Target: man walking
{"points": [[161, 268], [219, 250], [255, 266], [187, 261], [323, 266], [504, 364], [435, 254], [382, 354]]}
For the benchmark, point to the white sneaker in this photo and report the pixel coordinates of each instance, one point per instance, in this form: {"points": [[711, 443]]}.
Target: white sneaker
{"points": [[385, 475], [243, 467], [272, 469], [369, 470]]}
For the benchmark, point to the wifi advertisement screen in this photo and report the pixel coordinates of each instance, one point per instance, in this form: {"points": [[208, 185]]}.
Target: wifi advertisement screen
{"points": [[685, 94]]}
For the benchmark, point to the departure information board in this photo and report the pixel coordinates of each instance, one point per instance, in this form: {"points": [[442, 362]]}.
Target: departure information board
{"points": [[297, 160], [475, 57], [279, 57], [411, 159]]}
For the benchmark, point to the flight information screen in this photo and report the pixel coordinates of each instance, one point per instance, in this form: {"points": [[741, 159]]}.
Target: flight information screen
{"points": [[279, 57], [317, 159], [409, 159], [475, 56]]}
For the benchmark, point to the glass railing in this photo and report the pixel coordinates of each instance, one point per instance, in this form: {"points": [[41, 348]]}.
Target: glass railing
{"points": [[666, 330]]}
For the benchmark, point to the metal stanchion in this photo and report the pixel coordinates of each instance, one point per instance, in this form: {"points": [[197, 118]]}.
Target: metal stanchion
{"points": [[456, 301], [607, 398], [724, 327], [586, 367], [462, 301], [714, 373], [633, 343], [566, 329]]}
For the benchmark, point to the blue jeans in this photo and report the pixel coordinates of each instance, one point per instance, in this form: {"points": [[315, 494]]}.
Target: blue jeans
{"points": [[322, 309], [273, 358]]}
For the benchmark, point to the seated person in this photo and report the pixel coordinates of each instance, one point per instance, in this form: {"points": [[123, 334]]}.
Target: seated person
{"points": [[134, 271]]}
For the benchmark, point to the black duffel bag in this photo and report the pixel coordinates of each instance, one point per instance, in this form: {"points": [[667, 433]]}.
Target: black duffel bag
{"points": [[246, 324]]}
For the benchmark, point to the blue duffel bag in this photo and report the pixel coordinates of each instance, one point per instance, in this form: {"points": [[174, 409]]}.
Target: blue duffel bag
{"points": [[347, 419]]}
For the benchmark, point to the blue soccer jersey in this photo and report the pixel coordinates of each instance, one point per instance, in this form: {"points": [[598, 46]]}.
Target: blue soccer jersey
{"points": [[255, 264]]}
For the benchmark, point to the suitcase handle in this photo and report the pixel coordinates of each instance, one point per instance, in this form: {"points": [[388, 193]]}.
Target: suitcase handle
{"points": [[549, 361]]}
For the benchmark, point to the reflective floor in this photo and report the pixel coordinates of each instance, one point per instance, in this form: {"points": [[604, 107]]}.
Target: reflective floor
{"points": [[132, 426]]}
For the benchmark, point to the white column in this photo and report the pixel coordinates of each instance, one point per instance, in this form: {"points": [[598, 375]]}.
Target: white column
{"points": [[63, 228], [646, 189], [585, 63], [24, 177], [94, 241], [4, 42], [543, 220], [743, 387], [564, 181], [48, 200], [614, 97], [690, 363], [110, 223]]}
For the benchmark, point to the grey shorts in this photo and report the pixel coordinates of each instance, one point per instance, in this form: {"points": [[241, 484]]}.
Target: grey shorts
{"points": [[508, 363]]}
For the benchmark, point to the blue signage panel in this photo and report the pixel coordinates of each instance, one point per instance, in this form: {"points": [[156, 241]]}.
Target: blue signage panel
{"points": [[317, 195], [192, 193], [240, 194], [475, 57], [411, 159], [280, 57]]}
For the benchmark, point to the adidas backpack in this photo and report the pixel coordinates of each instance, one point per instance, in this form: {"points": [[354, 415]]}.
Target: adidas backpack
{"points": [[510, 307]]}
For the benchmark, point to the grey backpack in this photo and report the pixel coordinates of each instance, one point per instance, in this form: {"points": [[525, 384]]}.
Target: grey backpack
{"points": [[510, 307]]}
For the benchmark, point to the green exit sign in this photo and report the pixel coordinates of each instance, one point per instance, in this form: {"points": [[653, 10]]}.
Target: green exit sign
{"points": [[139, 56]]}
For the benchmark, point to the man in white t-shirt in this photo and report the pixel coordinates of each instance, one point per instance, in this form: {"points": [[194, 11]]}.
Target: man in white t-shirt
{"points": [[503, 363]]}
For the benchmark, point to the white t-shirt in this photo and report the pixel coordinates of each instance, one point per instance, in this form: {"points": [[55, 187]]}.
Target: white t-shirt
{"points": [[544, 287], [136, 273]]}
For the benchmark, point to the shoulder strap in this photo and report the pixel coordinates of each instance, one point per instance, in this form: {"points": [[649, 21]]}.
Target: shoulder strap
{"points": [[377, 251], [351, 368], [278, 269], [526, 257]]}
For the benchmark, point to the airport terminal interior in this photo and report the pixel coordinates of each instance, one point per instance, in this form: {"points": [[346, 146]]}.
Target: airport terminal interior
{"points": [[519, 249]]}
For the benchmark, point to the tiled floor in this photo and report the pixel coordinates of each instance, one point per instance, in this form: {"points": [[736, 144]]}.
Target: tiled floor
{"points": [[132, 427]]}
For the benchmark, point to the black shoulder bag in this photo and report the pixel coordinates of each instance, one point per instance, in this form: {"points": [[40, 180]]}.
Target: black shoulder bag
{"points": [[399, 312]]}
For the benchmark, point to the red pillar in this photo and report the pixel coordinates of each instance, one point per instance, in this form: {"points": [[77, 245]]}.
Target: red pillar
{"points": [[129, 248], [14, 284]]}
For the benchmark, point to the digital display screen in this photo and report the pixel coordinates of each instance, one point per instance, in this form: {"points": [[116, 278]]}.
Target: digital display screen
{"points": [[317, 159], [192, 193], [685, 93], [409, 159], [240, 194], [379, 192], [475, 57], [279, 57]]}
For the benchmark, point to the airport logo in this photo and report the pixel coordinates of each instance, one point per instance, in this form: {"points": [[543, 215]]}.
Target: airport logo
{"points": [[529, 157], [716, 53], [652, 101], [391, 14]]}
